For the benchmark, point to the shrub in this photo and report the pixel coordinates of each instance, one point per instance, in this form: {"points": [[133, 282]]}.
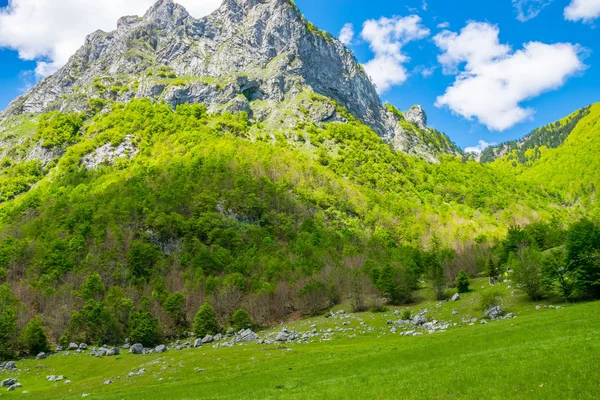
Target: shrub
{"points": [[490, 299], [33, 338], [462, 282], [241, 320], [406, 315], [205, 322]]}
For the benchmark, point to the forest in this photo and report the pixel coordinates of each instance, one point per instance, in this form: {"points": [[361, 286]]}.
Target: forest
{"points": [[210, 225]]}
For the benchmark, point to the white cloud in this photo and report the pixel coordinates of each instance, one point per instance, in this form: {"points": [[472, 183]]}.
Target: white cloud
{"points": [[386, 38], [50, 31], [585, 10], [494, 79], [479, 148], [424, 5], [529, 9], [424, 71], [444, 25], [347, 34]]}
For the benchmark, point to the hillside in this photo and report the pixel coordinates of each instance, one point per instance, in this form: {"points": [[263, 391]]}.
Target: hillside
{"points": [[185, 177], [561, 156]]}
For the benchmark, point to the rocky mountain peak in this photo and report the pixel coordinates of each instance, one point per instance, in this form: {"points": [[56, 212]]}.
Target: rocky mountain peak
{"points": [[258, 56], [417, 116]]}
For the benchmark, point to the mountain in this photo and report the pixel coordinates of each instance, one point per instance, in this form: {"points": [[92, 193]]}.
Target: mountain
{"points": [[261, 57], [242, 159]]}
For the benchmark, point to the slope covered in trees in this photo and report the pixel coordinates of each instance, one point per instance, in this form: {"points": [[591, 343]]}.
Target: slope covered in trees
{"points": [[182, 206]]}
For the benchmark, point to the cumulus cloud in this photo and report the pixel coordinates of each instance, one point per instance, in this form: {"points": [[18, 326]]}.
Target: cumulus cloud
{"points": [[529, 9], [444, 25], [386, 38], [347, 34], [494, 79], [479, 148], [583, 10], [50, 31]]}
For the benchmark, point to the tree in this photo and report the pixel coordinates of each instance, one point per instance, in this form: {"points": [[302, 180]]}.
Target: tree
{"points": [[33, 338], [462, 282], [241, 320], [173, 305], [205, 322], [313, 297], [93, 288], [8, 333], [583, 258], [436, 271], [527, 271], [144, 329]]}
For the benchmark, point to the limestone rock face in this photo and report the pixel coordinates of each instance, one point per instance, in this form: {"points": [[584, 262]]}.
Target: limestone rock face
{"points": [[417, 116], [257, 56]]}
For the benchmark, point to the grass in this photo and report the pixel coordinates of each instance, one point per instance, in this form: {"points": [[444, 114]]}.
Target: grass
{"points": [[542, 354]]}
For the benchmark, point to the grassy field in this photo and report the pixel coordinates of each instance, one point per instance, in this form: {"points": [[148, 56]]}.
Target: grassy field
{"points": [[541, 354]]}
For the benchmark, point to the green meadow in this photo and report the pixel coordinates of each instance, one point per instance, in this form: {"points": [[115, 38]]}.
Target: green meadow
{"points": [[542, 354]]}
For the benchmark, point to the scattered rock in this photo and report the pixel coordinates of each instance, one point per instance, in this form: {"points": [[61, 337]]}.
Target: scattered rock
{"points": [[107, 382], [8, 382], [41, 356], [282, 336], [73, 346], [208, 339], [137, 349], [83, 346], [494, 312], [113, 352], [160, 349], [197, 343], [59, 349], [456, 297], [509, 316], [454, 312]]}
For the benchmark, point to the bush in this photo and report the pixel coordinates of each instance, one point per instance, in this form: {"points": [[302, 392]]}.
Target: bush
{"points": [[33, 338], [241, 320], [205, 322], [490, 299], [406, 315], [462, 282]]}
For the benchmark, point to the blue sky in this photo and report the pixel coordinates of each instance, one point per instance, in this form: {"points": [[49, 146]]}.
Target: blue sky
{"points": [[560, 82]]}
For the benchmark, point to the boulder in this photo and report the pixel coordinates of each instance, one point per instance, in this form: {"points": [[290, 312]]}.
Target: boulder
{"points": [[456, 297], [137, 349], [197, 343], [41, 356], [8, 382], [73, 346], [83, 346], [419, 319], [113, 351], [101, 352], [59, 349], [282, 336], [208, 339], [10, 365], [248, 335], [494, 312], [160, 349]]}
